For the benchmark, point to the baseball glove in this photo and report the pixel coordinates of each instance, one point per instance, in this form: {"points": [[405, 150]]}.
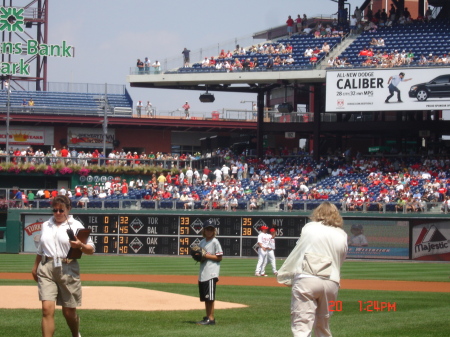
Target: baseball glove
{"points": [[198, 253]]}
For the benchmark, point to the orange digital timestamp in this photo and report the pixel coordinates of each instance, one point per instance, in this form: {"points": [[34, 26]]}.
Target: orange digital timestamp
{"points": [[368, 306]]}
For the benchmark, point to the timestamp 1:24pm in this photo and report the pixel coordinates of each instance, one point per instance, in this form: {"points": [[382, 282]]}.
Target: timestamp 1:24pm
{"points": [[368, 306]]}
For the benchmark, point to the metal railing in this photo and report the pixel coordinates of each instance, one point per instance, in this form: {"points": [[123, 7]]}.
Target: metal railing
{"points": [[203, 205]]}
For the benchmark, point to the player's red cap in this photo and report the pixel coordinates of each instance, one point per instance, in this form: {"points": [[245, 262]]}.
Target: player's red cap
{"points": [[264, 227], [272, 230]]}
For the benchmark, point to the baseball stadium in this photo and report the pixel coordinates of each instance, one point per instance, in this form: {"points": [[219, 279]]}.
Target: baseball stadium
{"points": [[348, 110]]}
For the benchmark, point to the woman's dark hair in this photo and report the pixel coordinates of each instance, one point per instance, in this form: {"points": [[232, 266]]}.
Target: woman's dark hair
{"points": [[62, 199]]}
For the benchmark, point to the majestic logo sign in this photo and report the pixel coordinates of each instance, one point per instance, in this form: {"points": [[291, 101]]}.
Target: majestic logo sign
{"points": [[11, 19], [431, 240]]}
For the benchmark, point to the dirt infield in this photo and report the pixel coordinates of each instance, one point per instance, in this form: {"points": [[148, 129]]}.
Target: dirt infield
{"points": [[254, 281], [111, 298]]}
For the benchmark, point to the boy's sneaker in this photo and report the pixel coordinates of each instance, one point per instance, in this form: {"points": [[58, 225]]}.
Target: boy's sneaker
{"points": [[207, 321], [257, 274], [263, 275]]}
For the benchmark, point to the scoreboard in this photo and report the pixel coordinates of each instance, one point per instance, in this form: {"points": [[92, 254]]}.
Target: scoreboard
{"points": [[174, 234]]}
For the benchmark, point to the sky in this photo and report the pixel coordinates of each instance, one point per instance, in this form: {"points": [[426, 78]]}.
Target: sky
{"points": [[109, 36]]}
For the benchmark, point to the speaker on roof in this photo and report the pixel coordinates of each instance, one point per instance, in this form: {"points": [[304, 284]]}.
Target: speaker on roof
{"points": [[285, 107], [207, 98], [28, 24]]}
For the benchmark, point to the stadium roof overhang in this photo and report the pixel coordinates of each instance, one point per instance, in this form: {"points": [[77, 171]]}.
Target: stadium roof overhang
{"points": [[250, 82]]}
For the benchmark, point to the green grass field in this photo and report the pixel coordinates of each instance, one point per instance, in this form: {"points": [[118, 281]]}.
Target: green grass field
{"points": [[418, 314]]}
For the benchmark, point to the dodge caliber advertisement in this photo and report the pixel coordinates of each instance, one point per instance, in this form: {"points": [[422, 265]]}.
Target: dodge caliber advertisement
{"points": [[388, 89]]}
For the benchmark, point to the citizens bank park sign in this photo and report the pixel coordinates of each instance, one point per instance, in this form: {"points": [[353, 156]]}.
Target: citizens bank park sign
{"points": [[392, 89], [12, 20]]}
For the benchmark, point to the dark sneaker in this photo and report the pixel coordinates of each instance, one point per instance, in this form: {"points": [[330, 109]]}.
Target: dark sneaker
{"points": [[386, 101], [207, 321], [400, 101]]}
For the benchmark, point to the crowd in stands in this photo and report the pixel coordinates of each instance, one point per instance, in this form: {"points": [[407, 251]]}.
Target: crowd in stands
{"points": [[85, 158], [389, 47], [280, 53], [355, 184], [145, 66]]}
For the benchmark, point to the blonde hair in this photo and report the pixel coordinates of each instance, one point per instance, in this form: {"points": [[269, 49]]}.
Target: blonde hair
{"points": [[328, 214], [215, 232]]}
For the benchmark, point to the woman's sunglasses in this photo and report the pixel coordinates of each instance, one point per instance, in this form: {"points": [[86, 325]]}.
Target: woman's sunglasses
{"points": [[55, 210]]}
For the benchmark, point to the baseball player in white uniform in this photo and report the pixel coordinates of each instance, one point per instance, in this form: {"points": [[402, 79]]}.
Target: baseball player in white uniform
{"points": [[270, 252], [263, 242]]}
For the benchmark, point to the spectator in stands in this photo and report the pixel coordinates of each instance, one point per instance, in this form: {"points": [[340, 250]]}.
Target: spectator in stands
{"points": [[269, 63], [380, 42], [298, 23], [313, 59], [353, 23], [246, 64], [392, 13], [308, 52], [140, 66], [186, 107], [186, 57], [290, 26], [383, 17], [290, 60], [31, 104], [306, 30], [139, 108], [18, 198], [330, 62], [24, 105], [157, 66], [316, 51], [326, 48], [82, 203], [148, 109], [147, 65]]}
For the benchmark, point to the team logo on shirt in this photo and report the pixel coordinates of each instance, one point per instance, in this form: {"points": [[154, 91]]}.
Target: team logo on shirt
{"points": [[136, 225], [136, 245]]}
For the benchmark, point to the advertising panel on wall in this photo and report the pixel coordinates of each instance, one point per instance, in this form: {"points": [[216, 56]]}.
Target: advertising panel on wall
{"points": [[86, 137], [388, 89], [29, 135], [431, 241], [377, 239], [32, 231]]}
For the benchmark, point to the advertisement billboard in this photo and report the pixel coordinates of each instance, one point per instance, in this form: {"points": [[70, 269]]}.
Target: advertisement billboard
{"points": [[431, 241], [88, 137], [377, 239], [391, 89]]}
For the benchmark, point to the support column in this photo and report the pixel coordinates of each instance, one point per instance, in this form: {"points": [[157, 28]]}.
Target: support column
{"points": [[316, 107], [260, 124]]}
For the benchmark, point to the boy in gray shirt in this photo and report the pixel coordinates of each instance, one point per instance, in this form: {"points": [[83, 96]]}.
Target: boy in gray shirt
{"points": [[209, 271]]}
